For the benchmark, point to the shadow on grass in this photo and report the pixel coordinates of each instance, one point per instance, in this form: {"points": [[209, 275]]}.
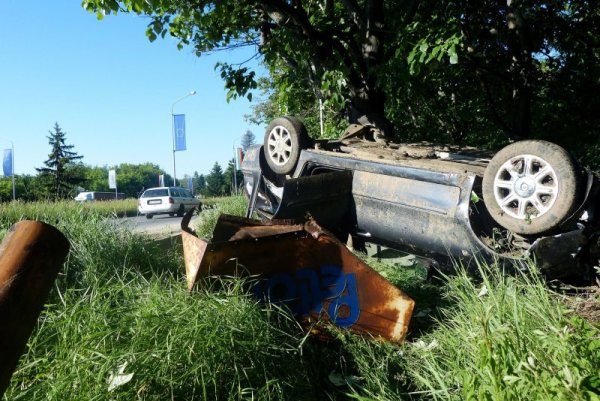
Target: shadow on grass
{"points": [[418, 279]]}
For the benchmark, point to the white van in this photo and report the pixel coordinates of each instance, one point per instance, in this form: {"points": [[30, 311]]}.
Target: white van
{"points": [[96, 196]]}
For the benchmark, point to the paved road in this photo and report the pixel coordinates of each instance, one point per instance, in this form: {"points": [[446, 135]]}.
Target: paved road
{"points": [[158, 225]]}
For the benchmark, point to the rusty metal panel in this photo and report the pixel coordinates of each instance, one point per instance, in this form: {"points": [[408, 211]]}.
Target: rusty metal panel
{"points": [[30, 257], [305, 268]]}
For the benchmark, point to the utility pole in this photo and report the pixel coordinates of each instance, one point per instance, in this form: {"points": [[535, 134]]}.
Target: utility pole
{"points": [[234, 171]]}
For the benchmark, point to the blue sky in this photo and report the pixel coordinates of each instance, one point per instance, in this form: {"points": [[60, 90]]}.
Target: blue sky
{"points": [[110, 90]]}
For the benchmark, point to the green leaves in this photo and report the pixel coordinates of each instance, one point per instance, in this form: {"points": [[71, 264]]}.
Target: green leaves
{"points": [[452, 54], [431, 52], [238, 81], [427, 98], [334, 88]]}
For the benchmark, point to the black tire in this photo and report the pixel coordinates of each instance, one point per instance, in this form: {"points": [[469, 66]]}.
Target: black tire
{"points": [[284, 138], [149, 216], [180, 211], [531, 187]]}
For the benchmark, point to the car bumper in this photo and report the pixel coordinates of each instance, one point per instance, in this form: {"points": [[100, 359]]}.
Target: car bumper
{"points": [[158, 209]]}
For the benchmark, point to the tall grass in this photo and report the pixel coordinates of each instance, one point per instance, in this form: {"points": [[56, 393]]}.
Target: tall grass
{"points": [[506, 338], [11, 212], [213, 208], [121, 304], [120, 308]]}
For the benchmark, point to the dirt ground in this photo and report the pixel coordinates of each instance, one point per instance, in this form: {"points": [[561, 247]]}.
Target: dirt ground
{"points": [[587, 305]]}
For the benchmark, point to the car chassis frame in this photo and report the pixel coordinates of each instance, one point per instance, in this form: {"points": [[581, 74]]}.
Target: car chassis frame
{"points": [[428, 207]]}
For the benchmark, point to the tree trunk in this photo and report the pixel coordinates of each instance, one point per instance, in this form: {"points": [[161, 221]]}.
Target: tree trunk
{"points": [[367, 107], [521, 70], [367, 101]]}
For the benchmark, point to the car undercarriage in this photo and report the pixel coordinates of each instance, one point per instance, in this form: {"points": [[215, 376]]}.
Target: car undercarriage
{"points": [[528, 201]]}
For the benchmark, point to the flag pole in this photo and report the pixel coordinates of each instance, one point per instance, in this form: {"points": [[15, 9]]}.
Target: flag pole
{"points": [[234, 170], [13, 169], [192, 93]]}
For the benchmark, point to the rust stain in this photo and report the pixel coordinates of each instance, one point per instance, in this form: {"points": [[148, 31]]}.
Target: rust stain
{"points": [[31, 255], [304, 267]]}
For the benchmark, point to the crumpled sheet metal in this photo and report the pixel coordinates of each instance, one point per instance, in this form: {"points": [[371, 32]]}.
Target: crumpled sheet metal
{"points": [[303, 266]]}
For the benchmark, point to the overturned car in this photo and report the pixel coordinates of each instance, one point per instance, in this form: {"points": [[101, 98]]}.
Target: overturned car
{"points": [[529, 200]]}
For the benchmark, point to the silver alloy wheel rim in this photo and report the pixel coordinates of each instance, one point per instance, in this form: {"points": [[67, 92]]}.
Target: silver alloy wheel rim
{"points": [[526, 187], [279, 144]]}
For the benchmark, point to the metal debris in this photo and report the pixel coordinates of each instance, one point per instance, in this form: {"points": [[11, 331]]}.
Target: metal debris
{"points": [[30, 257], [304, 267]]}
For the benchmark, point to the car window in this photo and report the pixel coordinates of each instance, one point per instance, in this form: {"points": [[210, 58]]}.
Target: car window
{"points": [[154, 193], [187, 193], [177, 192]]}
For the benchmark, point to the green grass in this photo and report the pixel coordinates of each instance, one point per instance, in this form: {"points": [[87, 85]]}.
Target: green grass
{"points": [[121, 299], [11, 212], [506, 338], [212, 209], [121, 302]]}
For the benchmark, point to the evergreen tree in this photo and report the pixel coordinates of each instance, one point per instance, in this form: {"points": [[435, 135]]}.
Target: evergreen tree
{"points": [[62, 171], [199, 183], [215, 181], [247, 140]]}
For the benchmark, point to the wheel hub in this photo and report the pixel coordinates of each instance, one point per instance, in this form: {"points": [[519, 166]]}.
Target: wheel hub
{"points": [[279, 145], [524, 187]]}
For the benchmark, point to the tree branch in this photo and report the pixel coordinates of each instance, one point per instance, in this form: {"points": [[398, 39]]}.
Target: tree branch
{"points": [[284, 14], [354, 12], [492, 105]]}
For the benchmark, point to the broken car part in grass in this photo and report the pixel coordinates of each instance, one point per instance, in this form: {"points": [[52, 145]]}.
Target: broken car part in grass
{"points": [[303, 267], [31, 255]]}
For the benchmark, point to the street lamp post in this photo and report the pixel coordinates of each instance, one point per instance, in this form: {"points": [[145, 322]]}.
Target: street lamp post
{"points": [[192, 93]]}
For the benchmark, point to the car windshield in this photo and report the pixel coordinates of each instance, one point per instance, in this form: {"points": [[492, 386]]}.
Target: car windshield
{"points": [[154, 193]]}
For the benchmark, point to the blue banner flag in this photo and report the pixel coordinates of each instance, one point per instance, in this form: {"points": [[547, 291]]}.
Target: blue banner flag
{"points": [[7, 165], [190, 184], [179, 129]]}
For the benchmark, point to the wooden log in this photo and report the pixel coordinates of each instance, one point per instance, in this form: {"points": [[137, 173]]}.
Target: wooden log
{"points": [[30, 257]]}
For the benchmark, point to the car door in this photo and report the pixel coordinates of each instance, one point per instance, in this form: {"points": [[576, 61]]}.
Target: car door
{"points": [[182, 198], [189, 199]]}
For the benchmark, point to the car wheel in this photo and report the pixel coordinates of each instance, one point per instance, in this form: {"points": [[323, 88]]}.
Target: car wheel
{"points": [[149, 216], [285, 137], [181, 211], [531, 187]]}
